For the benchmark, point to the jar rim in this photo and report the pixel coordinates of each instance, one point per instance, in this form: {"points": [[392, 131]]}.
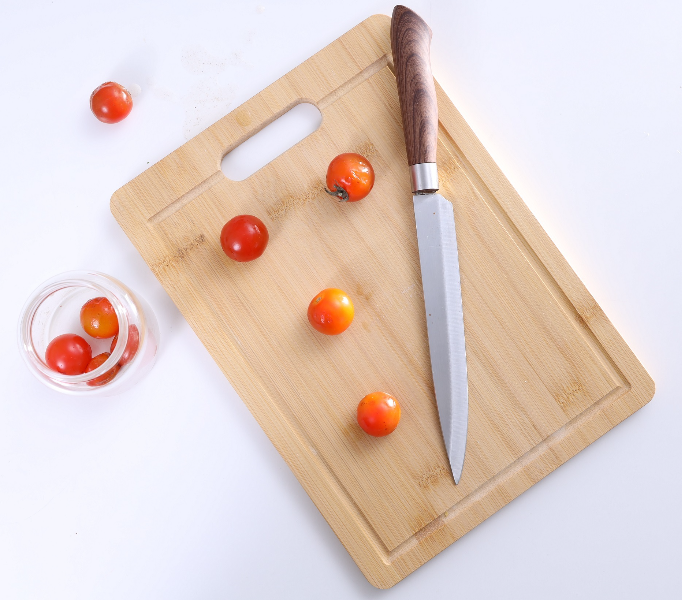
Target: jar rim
{"points": [[106, 286]]}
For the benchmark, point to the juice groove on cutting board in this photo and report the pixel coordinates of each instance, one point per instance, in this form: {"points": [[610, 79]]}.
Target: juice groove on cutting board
{"points": [[548, 373]]}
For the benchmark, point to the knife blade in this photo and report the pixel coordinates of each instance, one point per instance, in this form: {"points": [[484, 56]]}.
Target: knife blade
{"points": [[436, 232]]}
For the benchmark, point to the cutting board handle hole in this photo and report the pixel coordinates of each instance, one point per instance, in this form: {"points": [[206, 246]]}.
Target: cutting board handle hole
{"points": [[271, 141]]}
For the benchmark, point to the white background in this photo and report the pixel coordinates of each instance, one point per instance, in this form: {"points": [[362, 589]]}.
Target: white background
{"points": [[172, 490]]}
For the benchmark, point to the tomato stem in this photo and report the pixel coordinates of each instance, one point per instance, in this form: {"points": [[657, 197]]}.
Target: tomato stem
{"points": [[338, 192]]}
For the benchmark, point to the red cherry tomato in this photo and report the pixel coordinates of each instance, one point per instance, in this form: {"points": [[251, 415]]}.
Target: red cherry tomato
{"points": [[98, 318], [331, 311], [350, 177], [97, 361], [111, 102], [68, 354], [378, 414], [132, 345], [244, 238]]}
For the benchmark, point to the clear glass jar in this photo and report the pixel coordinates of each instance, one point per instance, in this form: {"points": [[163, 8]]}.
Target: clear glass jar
{"points": [[54, 309]]}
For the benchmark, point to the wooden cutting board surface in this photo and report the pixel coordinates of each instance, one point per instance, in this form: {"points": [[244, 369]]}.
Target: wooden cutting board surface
{"points": [[548, 373]]}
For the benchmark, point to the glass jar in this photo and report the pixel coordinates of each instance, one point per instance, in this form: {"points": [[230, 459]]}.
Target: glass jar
{"points": [[54, 309]]}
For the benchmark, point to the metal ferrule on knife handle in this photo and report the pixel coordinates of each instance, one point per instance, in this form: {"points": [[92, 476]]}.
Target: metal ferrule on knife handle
{"points": [[424, 178], [410, 47]]}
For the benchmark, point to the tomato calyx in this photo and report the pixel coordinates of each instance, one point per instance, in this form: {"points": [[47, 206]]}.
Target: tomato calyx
{"points": [[98, 361], [339, 192]]}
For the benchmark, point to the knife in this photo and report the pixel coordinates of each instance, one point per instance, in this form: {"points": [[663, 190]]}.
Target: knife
{"points": [[435, 227]]}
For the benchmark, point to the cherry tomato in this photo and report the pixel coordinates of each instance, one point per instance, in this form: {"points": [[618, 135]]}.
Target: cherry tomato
{"points": [[111, 102], [244, 238], [98, 318], [132, 345], [331, 311], [68, 354], [350, 177], [97, 361], [378, 414]]}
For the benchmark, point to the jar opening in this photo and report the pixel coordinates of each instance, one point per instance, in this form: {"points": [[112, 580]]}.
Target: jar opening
{"points": [[53, 309]]}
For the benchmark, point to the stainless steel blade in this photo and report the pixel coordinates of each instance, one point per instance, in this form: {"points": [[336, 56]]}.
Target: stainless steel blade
{"points": [[439, 265]]}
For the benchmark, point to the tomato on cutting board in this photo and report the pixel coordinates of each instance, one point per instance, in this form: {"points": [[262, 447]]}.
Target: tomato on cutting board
{"points": [[68, 354], [99, 319], [350, 177], [378, 414], [331, 311], [244, 238], [97, 361], [111, 102]]}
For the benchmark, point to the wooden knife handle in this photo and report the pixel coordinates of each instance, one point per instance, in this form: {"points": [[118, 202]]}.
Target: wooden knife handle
{"points": [[410, 46]]}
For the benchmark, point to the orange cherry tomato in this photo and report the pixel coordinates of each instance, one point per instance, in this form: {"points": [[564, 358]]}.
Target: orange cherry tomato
{"points": [[244, 238], [331, 311], [350, 177], [132, 345], [111, 102], [98, 360], [98, 318], [68, 354], [378, 414]]}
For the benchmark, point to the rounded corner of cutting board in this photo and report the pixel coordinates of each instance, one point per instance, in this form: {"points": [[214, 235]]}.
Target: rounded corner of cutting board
{"points": [[380, 574], [114, 203], [647, 387], [378, 22], [379, 19]]}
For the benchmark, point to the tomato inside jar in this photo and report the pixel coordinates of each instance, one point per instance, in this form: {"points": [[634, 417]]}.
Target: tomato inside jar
{"points": [[132, 345], [97, 362]]}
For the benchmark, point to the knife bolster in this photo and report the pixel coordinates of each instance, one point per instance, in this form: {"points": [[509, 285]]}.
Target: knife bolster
{"points": [[424, 178]]}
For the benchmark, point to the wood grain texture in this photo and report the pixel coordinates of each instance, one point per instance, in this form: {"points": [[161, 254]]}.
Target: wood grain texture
{"points": [[410, 47], [548, 373]]}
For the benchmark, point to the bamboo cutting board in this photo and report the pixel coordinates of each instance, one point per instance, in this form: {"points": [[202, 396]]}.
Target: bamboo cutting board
{"points": [[548, 373]]}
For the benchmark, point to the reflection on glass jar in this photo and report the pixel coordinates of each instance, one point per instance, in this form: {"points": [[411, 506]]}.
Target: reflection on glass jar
{"points": [[53, 309]]}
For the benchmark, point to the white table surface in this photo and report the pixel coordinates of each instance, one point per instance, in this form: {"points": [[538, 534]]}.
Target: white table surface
{"points": [[172, 490]]}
